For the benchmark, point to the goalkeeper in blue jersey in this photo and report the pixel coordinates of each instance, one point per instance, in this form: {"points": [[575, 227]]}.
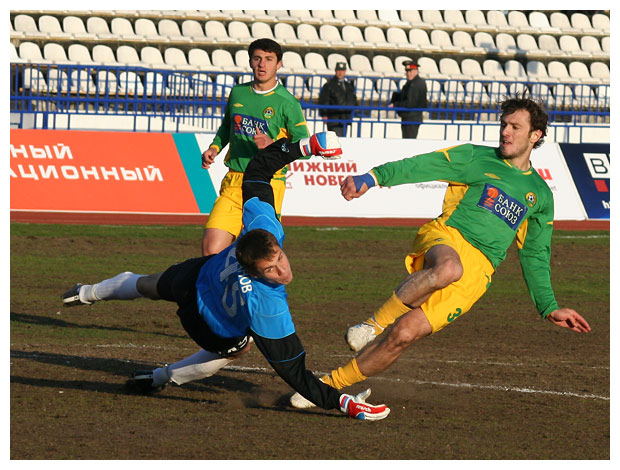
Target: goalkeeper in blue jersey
{"points": [[238, 296]]}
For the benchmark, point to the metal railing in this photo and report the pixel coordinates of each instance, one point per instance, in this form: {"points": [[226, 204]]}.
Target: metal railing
{"points": [[50, 96]]}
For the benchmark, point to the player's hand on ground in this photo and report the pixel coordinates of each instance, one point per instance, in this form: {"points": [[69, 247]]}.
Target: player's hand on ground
{"points": [[569, 318], [355, 186], [323, 144], [356, 407], [262, 140], [208, 157]]}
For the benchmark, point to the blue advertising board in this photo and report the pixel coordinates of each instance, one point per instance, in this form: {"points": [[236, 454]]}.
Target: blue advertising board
{"points": [[590, 168]]}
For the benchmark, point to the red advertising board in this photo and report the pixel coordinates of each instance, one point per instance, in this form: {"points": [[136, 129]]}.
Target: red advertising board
{"points": [[98, 171]]}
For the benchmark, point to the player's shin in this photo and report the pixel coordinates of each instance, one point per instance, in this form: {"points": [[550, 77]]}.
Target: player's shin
{"points": [[198, 366], [120, 287]]}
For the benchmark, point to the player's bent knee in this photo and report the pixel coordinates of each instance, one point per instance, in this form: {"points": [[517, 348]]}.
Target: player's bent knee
{"points": [[449, 271]]}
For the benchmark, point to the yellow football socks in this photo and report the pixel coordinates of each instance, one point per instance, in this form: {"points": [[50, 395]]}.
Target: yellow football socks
{"points": [[388, 313], [344, 376]]}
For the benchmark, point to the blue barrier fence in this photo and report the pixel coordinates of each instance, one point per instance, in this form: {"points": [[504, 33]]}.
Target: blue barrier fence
{"points": [[170, 99]]}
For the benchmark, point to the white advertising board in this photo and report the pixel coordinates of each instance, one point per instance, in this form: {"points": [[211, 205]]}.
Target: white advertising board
{"points": [[313, 186]]}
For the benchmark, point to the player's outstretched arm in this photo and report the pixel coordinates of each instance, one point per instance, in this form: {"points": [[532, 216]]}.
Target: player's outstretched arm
{"points": [[569, 318], [355, 186]]}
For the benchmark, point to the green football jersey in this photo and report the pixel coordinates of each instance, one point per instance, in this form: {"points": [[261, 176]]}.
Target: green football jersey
{"points": [[276, 113], [491, 202]]}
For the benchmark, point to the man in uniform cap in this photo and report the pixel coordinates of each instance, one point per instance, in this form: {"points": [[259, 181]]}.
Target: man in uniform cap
{"points": [[412, 95], [337, 91]]}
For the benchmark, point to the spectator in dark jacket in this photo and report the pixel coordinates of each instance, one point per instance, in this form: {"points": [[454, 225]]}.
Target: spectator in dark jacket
{"points": [[412, 95], [337, 91]]}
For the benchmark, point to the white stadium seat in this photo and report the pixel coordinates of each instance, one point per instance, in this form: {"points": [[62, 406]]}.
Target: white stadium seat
{"points": [[169, 29], [472, 69], [79, 54], [600, 70], [421, 40], [450, 68], [476, 19], [494, 70], [146, 28], [285, 34], [237, 30], [175, 57], [55, 53], [353, 35], [383, 65], [536, 71], [570, 45], [104, 55], [308, 33], [519, 21], [199, 58], [397, 37], [515, 70], [127, 55], [360, 65], [99, 27], [260, 29], [429, 68], [192, 29], [442, 39], [31, 52], [464, 41], [224, 60], [216, 31], [315, 62], [375, 37], [329, 33]]}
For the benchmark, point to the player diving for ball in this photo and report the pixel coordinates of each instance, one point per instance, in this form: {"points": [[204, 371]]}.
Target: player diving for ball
{"points": [[227, 300], [494, 196]]}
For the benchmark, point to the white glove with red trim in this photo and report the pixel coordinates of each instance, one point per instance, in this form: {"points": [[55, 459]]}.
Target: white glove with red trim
{"points": [[324, 144], [356, 407]]}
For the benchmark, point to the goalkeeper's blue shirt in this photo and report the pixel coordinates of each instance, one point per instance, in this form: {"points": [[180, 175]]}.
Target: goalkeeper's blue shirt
{"points": [[231, 301]]}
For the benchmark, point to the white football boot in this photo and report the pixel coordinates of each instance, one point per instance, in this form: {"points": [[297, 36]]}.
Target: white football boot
{"points": [[298, 401], [360, 335]]}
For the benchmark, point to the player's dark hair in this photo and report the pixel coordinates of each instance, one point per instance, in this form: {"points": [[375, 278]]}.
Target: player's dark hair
{"points": [[538, 114], [267, 45], [253, 246]]}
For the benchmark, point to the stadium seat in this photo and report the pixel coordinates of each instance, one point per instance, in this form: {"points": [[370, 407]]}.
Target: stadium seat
{"points": [[421, 41], [51, 27], [202, 84], [55, 53], [75, 27], [292, 62], [536, 71], [429, 68], [580, 72], [549, 43], [442, 40], [365, 90], [223, 84], [563, 95], [360, 65], [518, 20], [560, 21], [199, 59], [258, 15], [455, 93], [224, 60], [152, 57], [82, 83], [376, 37], [127, 55], [14, 56], [472, 70], [296, 85], [34, 80], [385, 88], [397, 37], [104, 55], [497, 92], [99, 27], [591, 45], [584, 97], [603, 96], [285, 34], [571, 47], [335, 57], [527, 43], [464, 41], [30, 52], [304, 17], [353, 35], [476, 19], [605, 44], [107, 83], [192, 29], [433, 19], [413, 18], [485, 41], [216, 31], [434, 92], [242, 59], [539, 19], [600, 71], [175, 58], [450, 68], [493, 70], [146, 28], [129, 83], [369, 17], [600, 22], [179, 85], [582, 23], [348, 18], [383, 64], [169, 29], [515, 70], [476, 93], [558, 72], [260, 29], [455, 20], [507, 44], [325, 16], [330, 34], [309, 34], [497, 20], [391, 18], [542, 91], [279, 15], [398, 64], [26, 24], [315, 62], [57, 81], [239, 31], [315, 84], [122, 28]]}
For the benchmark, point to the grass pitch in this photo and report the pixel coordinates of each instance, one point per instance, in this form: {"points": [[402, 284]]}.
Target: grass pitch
{"points": [[499, 383]]}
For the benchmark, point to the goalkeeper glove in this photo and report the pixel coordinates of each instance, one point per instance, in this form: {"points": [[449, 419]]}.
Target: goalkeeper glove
{"points": [[356, 407], [323, 144]]}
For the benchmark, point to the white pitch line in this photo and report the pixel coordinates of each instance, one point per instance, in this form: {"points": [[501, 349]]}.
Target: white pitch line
{"points": [[501, 388]]}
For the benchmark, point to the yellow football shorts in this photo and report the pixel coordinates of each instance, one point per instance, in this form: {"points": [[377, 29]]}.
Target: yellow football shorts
{"points": [[446, 305], [228, 208]]}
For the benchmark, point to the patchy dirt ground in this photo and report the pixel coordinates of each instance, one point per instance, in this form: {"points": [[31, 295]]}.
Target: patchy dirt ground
{"points": [[497, 384]]}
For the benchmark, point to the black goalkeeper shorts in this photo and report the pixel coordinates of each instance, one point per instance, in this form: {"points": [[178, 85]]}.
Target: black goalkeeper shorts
{"points": [[178, 284]]}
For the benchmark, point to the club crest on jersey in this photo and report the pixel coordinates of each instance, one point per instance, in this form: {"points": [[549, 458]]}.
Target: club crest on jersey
{"points": [[502, 205], [531, 199], [268, 112], [246, 125]]}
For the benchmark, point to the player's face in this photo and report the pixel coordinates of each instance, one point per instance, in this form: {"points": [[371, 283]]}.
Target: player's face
{"points": [[265, 66], [516, 138], [276, 269]]}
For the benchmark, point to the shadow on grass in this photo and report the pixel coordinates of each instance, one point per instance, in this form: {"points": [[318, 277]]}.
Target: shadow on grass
{"points": [[57, 322]]}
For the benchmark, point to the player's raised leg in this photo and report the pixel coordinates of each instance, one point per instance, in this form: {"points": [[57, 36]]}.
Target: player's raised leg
{"points": [[123, 286]]}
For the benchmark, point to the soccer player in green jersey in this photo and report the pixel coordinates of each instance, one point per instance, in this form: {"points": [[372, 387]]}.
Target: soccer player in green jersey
{"points": [[494, 196], [257, 113]]}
